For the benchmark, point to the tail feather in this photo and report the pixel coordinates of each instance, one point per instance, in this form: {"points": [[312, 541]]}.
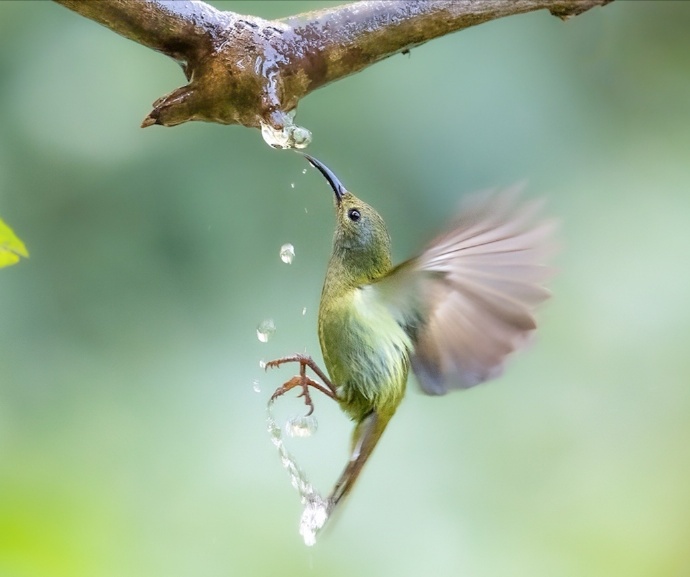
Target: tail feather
{"points": [[365, 437]]}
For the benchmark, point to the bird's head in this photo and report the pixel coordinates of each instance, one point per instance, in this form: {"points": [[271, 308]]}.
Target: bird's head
{"points": [[361, 239]]}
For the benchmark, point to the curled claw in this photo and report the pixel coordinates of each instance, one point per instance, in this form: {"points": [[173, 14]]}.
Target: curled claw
{"points": [[302, 380], [307, 398], [274, 364]]}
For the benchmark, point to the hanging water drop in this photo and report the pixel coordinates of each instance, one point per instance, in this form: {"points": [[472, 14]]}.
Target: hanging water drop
{"points": [[274, 138], [301, 137], [287, 253], [265, 330], [301, 426], [287, 134]]}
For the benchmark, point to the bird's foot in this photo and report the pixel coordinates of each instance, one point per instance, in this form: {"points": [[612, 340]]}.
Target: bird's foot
{"points": [[302, 380]]}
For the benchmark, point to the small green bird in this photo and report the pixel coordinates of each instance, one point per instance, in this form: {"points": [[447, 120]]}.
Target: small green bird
{"points": [[452, 314]]}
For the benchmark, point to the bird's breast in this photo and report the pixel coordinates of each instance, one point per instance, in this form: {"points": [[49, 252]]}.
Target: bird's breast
{"points": [[365, 350]]}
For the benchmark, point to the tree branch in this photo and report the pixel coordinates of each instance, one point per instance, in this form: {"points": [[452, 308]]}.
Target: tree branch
{"points": [[250, 71]]}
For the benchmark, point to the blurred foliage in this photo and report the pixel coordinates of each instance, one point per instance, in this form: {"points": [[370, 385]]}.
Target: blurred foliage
{"points": [[11, 246], [131, 440]]}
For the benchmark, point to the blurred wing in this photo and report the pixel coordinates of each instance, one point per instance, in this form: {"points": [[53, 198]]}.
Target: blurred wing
{"points": [[467, 300]]}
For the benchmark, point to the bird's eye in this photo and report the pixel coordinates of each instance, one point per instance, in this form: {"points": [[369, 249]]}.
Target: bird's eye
{"points": [[353, 214]]}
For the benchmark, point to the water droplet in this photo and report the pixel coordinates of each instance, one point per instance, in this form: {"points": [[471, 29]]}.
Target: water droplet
{"points": [[274, 138], [304, 171], [292, 185], [304, 311], [264, 332], [301, 426], [289, 135], [314, 517], [287, 253], [262, 364], [256, 386], [301, 137], [305, 210]]}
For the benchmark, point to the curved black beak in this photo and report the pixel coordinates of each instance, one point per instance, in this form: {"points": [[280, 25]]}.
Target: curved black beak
{"points": [[332, 179]]}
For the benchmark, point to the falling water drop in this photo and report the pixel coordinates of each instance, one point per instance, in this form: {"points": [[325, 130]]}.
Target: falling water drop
{"points": [[301, 426], [292, 185], [287, 253], [256, 386], [262, 364], [304, 171], [265, 330], [304, 311]]}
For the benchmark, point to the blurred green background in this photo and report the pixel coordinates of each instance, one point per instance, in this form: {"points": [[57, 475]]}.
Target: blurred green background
{"points": [[132, 442]]}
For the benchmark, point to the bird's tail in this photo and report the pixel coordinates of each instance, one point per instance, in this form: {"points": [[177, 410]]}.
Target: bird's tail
{"points": [[365, 437]]}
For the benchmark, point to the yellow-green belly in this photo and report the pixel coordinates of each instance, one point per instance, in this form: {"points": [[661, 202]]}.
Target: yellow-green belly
{"points": [[366, 353]]}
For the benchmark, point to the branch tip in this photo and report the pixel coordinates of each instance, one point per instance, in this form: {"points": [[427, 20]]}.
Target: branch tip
{"points": [[148, 121]]}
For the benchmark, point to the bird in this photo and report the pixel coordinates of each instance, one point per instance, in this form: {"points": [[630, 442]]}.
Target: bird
{"points": [[452, 314]]}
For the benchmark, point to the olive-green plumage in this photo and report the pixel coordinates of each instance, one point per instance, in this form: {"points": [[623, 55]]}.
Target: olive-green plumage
{"points": [[452, 314]]}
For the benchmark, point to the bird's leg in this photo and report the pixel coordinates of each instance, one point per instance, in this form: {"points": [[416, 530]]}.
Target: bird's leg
{"points": [[303, 380]]}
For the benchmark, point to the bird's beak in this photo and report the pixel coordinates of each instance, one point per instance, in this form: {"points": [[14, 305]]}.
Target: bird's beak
{"points": [[332, 179]]}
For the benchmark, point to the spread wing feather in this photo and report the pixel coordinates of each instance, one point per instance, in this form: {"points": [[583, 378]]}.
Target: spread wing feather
{"points": [[468, 299]]}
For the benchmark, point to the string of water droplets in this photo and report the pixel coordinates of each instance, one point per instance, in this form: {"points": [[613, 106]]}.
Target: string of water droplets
{"points": [[315, 512]]}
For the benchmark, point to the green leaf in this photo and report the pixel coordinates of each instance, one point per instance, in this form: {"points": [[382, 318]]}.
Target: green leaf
{"points": [[11, 246]]}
